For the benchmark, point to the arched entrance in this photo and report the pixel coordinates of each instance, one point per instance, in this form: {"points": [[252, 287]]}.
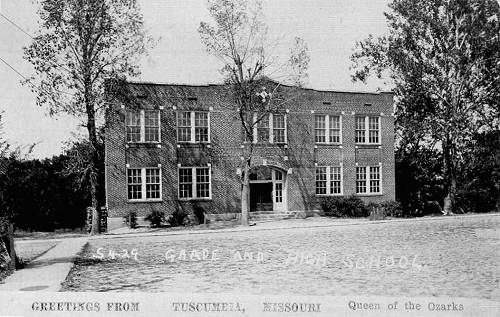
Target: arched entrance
{"points": [[267, 189]]}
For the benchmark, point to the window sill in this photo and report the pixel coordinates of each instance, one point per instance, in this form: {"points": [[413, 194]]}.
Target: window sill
{"points": [[193, 143], [368, 144], [159, 200], [264, 144], [144, 143], [328, 144], [329, 195], [194, 199], [369, 194]]}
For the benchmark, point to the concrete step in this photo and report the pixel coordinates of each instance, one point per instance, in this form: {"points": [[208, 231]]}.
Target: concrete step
{"points": [[271, 216]]}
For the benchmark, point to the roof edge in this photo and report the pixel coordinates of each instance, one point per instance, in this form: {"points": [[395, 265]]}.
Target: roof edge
{"points": [[138, 82]]}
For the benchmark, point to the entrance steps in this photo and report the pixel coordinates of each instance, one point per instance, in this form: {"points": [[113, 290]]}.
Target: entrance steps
{"points": [[262, 216]]}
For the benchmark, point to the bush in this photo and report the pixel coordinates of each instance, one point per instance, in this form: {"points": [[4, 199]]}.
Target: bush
{"points": [[131, 219], [344, 207], [177, 218], [199, 212], [156, 218]]}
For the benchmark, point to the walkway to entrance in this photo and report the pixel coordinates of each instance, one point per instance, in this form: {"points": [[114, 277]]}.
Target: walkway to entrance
{"points": [[267, 189]]}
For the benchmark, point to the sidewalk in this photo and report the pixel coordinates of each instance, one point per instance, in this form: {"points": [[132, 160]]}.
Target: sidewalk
{"points": [[47, 272]]}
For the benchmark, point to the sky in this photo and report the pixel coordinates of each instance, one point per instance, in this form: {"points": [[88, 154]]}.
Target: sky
{"points": [[329, 27]]}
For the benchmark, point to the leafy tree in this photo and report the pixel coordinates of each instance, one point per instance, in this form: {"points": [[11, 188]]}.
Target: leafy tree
{"points": [[419, 181], [81, 43], [238, 37], [480, 174], [443, 57]]}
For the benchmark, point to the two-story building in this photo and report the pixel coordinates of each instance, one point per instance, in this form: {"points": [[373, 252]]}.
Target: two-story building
{"points": [[181, 146]]}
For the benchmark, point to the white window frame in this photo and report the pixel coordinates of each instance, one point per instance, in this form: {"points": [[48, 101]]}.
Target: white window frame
{"points": [[192, 126], [271, 128], [143, 185], [193, 182], [367, 130], [329, 180], [142, 117], [327, 128], [368, 179]]}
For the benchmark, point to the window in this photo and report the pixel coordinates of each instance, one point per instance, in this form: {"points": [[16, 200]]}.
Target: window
{"points": [[367, 126], [201, 126], [373, 128], [368, 180], [185, 183], [321, 181], [335, 180], [327, 129], [278, 192], [278, 186], [360, 130], [193, 127], [134, 184], [194, 183], [270, 129], [151, 126], [374, 179], [263, 129], [144, 183], [334, 129], [329, 180], [202, 182], [184, 127], [153, 183], [319, 129], [278, 128], [143, 126], [360, 180]]}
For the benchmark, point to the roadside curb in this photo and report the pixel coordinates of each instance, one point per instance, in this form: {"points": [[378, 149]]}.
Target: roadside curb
{"points": [[302, 226]]}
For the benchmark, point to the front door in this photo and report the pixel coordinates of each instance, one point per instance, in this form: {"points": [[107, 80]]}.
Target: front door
{"points": [[279, 191], [267, 189], [261, 196]]}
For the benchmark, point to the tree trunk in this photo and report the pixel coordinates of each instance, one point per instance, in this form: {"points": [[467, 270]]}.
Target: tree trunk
{"points": [[91, 127], [450, 177], [245, 195]]}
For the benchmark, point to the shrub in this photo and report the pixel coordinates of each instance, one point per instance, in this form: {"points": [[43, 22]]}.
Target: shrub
{"points": [[131, 219], [392, 208], [177, 218], [389, 208], [199, 212], [156, 218], [344, 207]]}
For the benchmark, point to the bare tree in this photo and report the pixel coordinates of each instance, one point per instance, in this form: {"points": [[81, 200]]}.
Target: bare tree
{"points": [[79, 45], [238, 36]]}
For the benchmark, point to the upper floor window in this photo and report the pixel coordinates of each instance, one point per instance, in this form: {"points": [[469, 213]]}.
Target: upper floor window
{"points": [[368, 180], [143, 126], [329, 180], [271, 128], [144, 183], [367, 130], [327, 129], [194, 183], [193, 127]]}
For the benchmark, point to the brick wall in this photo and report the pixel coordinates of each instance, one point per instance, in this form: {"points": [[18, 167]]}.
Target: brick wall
{"points": [[299, 156]]}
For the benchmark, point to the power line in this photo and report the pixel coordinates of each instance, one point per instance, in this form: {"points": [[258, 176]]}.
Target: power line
{"points": [[17, 26], [15, 70], [28, 81], [25, 32]]}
